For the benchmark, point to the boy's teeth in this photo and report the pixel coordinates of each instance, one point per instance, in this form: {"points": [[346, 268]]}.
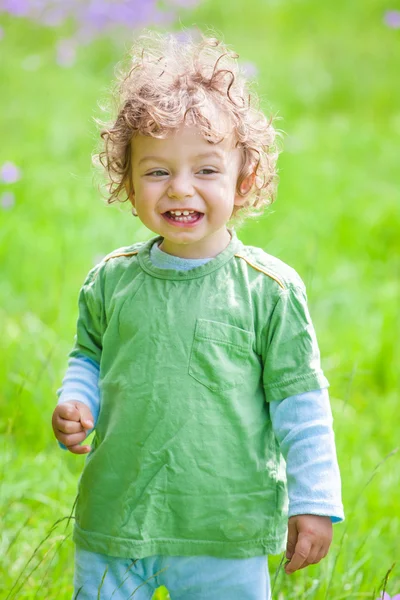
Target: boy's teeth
{"points": [[178, 213], [183, 216]]}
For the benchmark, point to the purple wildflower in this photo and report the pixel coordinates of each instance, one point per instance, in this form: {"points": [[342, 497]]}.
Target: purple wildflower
{"points": [[55, 16], [385, 596], [184, 3], [66, 52], [85, 35], [18, 8], [7, 200], [391, 18], [185, 35], [96, 17], [9, 172], [250, 69]]}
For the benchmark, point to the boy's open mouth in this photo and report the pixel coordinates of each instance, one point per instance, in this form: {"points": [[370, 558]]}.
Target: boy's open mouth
{"points": [[183, 216]]}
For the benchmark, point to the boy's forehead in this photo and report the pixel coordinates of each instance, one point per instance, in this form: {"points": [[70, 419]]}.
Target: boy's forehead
{"points": [[186, 138]]}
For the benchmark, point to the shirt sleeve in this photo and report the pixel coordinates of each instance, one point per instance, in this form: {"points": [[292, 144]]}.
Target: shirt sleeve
{"points": [[291, 355], [88, 339], [90, 325], [303, 427]]}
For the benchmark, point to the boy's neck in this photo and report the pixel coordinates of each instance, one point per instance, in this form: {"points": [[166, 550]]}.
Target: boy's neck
{"points": [[205, 248]]}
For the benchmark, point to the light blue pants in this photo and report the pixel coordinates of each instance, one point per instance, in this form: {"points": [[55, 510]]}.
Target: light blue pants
{"points": [[186, 578]]}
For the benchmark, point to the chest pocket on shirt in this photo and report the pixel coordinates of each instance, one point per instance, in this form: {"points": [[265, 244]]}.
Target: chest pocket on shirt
{"points": [[219, 354]]}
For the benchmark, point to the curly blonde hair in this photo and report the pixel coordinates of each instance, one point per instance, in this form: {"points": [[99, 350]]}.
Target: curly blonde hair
{"points": [[170, 82]]}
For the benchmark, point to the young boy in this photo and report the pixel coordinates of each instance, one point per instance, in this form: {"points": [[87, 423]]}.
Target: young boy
{"points": [[195, 357]]}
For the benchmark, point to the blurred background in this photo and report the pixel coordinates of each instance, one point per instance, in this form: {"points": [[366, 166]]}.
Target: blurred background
{"points": [[330, 73]]}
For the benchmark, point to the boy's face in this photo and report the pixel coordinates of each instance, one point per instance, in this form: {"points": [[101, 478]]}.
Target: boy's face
{"points": [[184, 189]]}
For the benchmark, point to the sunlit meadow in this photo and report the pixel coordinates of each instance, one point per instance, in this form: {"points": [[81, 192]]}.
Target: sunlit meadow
{"points": [[329, 73]]}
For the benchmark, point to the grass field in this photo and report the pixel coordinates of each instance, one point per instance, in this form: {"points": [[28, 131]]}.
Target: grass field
{"points": [[330, 72]]}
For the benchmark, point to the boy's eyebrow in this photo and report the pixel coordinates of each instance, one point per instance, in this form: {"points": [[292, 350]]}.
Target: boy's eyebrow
{"points": [[213, 153]]}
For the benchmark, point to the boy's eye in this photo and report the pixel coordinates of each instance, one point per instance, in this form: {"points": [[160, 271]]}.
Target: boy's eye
{"points": [[157, 173], [207, 171], [162, 173]]}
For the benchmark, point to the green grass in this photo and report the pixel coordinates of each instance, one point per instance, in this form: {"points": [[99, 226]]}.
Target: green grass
{"points": [[330, 71]]}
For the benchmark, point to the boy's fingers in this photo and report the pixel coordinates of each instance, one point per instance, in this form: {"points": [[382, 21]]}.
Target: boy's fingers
{"points": [[68, 411], [68, 426], [85, 415], [316, 556], [300, 555], [313, 559], [72, 411], [79, 449], [71, 439], [71, 422]]}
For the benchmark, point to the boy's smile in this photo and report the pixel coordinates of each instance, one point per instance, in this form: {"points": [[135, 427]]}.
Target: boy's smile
{"points": [[183, 218], [184, 189]]}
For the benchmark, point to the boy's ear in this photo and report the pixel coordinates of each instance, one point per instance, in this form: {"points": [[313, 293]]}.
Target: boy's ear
{"points": [[130, 192], [245, 187]]}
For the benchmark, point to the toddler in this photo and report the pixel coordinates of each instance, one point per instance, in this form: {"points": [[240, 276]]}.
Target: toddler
{"points": [[195, 359]]}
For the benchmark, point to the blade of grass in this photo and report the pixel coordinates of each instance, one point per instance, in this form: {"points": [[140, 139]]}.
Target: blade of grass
{"points": [[374, 472]]}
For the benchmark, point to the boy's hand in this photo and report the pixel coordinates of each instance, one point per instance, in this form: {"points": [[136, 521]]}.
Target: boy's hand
{"points": [[70, 421], [309, 538]]}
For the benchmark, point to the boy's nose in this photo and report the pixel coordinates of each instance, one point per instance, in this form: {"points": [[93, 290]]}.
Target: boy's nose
{"points": [[180, 188]]}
